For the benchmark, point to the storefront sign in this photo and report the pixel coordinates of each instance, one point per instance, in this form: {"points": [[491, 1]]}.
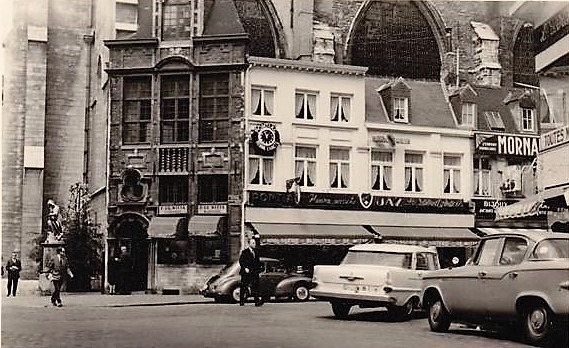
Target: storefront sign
{"points": [[389, 139], [485, 208], [173, 209], [554, 138], [507, 145], [552, 30], [356, 202], [212, 209], [312, 241]]}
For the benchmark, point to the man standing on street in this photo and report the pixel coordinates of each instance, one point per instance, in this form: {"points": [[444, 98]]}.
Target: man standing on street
{"points": [[14, 266], [125, 265], [58, 268], [250, 269]]}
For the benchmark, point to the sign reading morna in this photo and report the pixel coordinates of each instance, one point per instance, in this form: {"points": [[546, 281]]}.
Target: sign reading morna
{"points": [[507, 145]]}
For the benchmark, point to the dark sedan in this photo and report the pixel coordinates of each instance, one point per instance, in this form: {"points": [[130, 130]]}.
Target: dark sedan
{"points": [[275, 281]]}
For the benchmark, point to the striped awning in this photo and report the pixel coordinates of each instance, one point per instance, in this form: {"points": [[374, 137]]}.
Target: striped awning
{"points": [[531, 206], [428, 236], [311, 234], [498, 230], [206, 225]]}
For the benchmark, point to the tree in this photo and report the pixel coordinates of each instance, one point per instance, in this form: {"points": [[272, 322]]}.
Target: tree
{"points": [[83, 240]]}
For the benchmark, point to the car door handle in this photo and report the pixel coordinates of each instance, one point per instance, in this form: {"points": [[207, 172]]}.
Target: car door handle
{"points": [[513, 275], [481, 274]]}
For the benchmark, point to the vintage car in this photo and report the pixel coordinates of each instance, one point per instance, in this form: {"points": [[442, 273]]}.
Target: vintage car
{"points": [[274, 281], [375, 275], [520, 278]]}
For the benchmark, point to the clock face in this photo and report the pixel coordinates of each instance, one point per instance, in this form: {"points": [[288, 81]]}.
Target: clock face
{"points": [[266, 137]]}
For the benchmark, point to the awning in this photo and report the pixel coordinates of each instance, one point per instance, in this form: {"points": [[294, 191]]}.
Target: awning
{"points": [[311, 234], [428, 236], [164, 226], [530, 206], [205, 225], [494, 230]]}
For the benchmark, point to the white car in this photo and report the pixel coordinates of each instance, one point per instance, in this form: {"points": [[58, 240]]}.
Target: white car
{"points": [[375, 275]]}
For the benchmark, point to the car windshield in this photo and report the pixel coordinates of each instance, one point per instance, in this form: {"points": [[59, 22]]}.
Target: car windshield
{"points": [[401, 260], [552, 249]]}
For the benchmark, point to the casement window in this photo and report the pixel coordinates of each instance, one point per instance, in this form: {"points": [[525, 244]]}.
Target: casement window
{"points": [[451, 174], [137, 101], [176, 20], [527, 120], [173, 252], [260, 170], [214, 107], [401, 110], [211, 250], [305, 105], [340, 108], [212, 188], [469, 114], [173, 189], [262, 101], [175, 109], [413, 172], [339, 168], [494, 119], [481, 167], [381, 170], [305, 165]]}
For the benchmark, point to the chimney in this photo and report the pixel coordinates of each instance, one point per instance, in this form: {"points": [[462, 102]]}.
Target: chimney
{"points": [[487, 69], [323, 43]]}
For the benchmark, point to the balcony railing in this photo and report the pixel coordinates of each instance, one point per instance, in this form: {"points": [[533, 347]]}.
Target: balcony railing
{"points": [[173, 160]]}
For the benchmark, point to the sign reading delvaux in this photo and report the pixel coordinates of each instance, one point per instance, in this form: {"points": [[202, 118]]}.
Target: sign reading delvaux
{"points": [[507, 145]]}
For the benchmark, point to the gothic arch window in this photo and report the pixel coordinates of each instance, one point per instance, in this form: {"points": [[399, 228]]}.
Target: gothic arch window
{"points": [[257, 23], [393, 38], [524, 61]]}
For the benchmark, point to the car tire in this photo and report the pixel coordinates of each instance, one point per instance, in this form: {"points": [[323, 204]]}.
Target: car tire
{"points": [[341, 310], [402, 313], [537, 323], [235, 294], [300, 293], [439, 317]]}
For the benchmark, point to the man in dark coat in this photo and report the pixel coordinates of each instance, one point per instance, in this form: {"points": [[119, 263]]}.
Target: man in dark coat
{"points": [[250, 268], [14, 266], [125, 265], [58, 269]]}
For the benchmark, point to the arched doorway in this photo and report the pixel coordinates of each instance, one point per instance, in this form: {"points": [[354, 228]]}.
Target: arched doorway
{"points": [[130, 230]]}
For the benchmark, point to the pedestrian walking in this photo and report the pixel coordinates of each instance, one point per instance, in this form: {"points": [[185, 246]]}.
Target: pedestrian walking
{"points": [[58, 268], [125, 270], [13, 267], [250, 269], [112, 274]]}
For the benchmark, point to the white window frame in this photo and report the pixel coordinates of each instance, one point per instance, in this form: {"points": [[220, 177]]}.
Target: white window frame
{"points": [[263, 98], [528, 120], [340, 163], [478, 175], [305, 106], [381, 165], [452, 169], [340, 107], [404, 115], [261, 168], [469, 114], [305, 164], [414, 167]]}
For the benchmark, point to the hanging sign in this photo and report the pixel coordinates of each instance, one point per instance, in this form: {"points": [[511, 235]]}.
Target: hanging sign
{"points": [[266, 137]]}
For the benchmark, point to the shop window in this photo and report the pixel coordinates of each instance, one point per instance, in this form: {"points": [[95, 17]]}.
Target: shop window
{"points": [[262, 101], [176, 20], [210, 250], [451, 174], [481, 173], [413, 172], [137, 92], [339, 168], [340, 108], [401, 110], [173, 189], [381, 170], [527, 120], [260, 170], [305, 105], [469, 114], [212, 188], [214, 107], [173, 252], [175, 109], [305, 165]]}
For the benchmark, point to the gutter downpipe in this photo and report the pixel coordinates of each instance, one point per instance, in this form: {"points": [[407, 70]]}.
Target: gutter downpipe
{"points": [[245, 152]]}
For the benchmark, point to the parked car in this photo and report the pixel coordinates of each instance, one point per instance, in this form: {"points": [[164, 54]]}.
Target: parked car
{"points": [[274, 281], [518, 277], [375, 275]]}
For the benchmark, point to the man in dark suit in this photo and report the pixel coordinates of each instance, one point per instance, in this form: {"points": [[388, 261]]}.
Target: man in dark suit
{"points": [[125, 265], [14, 266], [250, 268], [58, 269]]}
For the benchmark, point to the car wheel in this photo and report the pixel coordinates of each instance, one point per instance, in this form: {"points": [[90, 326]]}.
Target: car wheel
{"points": [[537, 323], [439, 317], [341, 310], [402, 313], [235, 294], [301, 293]]}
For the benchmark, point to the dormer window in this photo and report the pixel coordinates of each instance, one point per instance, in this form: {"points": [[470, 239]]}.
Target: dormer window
{"points": [[400, 110], [494, 120], [468, 114], [527, 120]]}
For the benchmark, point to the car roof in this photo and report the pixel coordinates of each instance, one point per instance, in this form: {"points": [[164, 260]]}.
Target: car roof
{"points": [[536, 235], [396, 248]]}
